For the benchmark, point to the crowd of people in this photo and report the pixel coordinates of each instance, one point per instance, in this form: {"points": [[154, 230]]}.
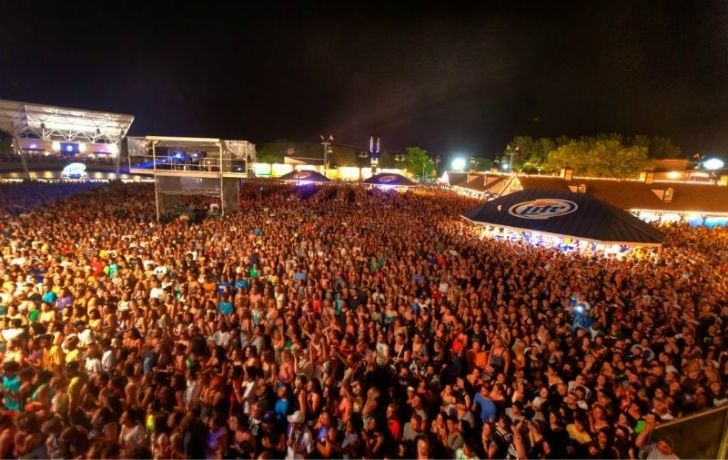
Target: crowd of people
{"points": [[344, 322]]}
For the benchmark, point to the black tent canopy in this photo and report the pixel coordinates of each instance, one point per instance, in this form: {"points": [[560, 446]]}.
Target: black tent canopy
{"points": [[397, 180], [305, 176], [566, 215]]}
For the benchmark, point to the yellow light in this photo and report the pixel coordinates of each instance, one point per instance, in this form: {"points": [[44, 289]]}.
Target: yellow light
{"points": [[280, 169], [56, 146], [81, 147], [674, 175], [349, 173]]}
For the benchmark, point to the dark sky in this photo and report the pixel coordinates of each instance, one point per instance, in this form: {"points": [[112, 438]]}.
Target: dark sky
{"points": [[452, 77]]}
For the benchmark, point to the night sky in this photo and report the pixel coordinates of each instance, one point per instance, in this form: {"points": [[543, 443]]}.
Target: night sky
{"points": [[452, 77]]}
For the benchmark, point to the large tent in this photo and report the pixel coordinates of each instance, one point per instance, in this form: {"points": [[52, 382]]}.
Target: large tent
{"points": [[305, 176], [389, 179], [568, 215]]}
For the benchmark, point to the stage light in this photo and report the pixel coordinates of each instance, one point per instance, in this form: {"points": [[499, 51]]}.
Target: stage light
{"points": [[33, 146], [56, 146], [69, 148], [113, 149], [458, 164], [713, 164], [81, 147]]}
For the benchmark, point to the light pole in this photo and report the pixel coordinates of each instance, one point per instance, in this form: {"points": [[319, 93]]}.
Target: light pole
{"points": [[326, 142], [511, 151]]}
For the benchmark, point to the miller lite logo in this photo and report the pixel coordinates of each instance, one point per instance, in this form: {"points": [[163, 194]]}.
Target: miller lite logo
{"points": [[302, 175], [386, 179], [543, 208]]}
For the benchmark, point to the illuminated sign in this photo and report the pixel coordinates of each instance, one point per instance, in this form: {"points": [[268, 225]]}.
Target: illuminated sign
{"points": [[74, 171], [543, 208], [386, 179], [301, 175]]}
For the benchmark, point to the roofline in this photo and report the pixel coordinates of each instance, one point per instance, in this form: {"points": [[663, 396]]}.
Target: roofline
{"points": [[179, 139], [676, 211], [564, 236], [75, 109]]}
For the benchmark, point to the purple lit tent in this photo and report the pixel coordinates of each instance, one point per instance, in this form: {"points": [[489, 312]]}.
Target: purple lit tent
{"points": [[305, 176], [391, 180]]}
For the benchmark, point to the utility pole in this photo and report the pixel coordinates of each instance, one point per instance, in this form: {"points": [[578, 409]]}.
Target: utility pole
{"points": [[326, 142]]}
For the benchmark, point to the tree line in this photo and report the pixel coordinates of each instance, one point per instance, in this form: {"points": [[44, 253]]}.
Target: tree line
{"points": [[607, 155]]}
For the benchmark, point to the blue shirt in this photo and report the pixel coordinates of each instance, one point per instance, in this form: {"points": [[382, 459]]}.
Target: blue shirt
{"points": [[50, 297], [241, 284], [486, 408], [281, 408], [226, 308]]}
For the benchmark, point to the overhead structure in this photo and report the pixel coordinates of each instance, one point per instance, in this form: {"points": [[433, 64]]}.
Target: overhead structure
{"points": [[575, 220], [187, 166], [72, 134]]}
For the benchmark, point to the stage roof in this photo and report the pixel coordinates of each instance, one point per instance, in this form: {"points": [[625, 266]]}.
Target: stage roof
{"points": [[566, 214], [24, 119]]}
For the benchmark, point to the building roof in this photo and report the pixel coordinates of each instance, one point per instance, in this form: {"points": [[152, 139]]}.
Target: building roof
{"points": [[566, 214], [633, 194]]}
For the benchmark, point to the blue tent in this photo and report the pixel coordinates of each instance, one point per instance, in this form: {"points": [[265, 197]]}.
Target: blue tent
{"points": [[566, 214], [397, 180], [305, 176]]}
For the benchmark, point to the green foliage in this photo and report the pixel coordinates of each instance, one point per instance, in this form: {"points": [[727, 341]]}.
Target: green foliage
{"points": [[418, 161], [533, 155], [341, 156], [481, 163], [601, 158], [272, 152]]}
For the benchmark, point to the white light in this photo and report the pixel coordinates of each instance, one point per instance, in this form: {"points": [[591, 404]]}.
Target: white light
{"points": [[113, 149], [81, 147], [504, 167], [713, 164], [458, 164], [56, 146]]}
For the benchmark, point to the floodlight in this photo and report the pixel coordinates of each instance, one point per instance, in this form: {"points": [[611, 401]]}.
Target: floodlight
{"points": [[713, 163], [458, 164]]}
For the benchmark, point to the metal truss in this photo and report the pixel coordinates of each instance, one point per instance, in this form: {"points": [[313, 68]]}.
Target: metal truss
{"points": [[51, 123]]}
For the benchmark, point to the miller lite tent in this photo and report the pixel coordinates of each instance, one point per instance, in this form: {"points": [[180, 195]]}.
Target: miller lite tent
{"points": [[304, 176], [388, 179], [564, 219]]}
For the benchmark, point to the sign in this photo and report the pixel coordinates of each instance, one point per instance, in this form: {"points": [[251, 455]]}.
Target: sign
{"points": [[543, 208], [74, 171], [387, 179], [302, 175]]}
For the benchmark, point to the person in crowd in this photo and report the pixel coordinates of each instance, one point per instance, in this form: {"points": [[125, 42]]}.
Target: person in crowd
{"points": [[342, 322]]}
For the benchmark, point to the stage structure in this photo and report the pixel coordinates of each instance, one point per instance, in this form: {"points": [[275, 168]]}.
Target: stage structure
{"points": [[188, 166], [67, 134]]}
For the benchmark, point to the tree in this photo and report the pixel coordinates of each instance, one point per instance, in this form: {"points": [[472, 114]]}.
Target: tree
{"points": [[342, 156], [418, 162], [273, 152], [598, 157], [662, 147], [481, 163]]}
